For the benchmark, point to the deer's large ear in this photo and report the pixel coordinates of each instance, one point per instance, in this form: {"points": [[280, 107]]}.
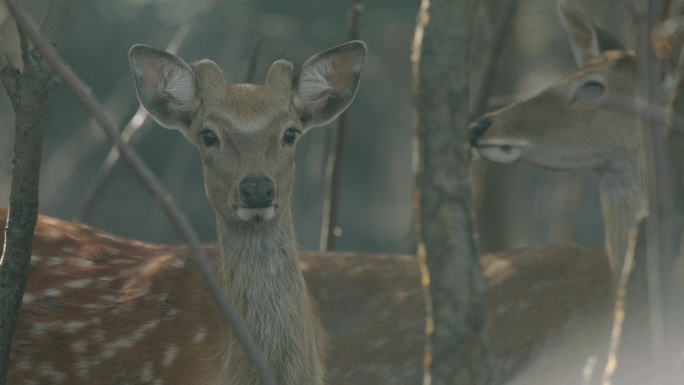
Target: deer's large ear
{"points": [[327, 83], [166, 86], [586, 39]]}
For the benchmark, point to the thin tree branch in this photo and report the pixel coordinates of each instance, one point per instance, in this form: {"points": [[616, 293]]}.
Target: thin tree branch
{"points": [[331, 198], [254, 58], [620, 301], [491, 61], [145, 175], [54, 21], [133, 132], [29, 92], [8, 72]]}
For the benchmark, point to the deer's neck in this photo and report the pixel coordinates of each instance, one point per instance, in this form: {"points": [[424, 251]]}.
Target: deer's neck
{"points": [[623, 194], [259, 266]]}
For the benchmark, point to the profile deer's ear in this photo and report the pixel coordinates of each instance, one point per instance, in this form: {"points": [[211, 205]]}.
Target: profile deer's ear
{"points": [[166, 86], [586, 39], [327, 83]]}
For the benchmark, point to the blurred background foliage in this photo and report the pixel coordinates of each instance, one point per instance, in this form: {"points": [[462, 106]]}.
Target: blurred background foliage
{"points": [[518, 205]]}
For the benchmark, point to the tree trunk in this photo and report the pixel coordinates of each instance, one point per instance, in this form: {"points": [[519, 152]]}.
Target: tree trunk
{"points": [[442, 193]]}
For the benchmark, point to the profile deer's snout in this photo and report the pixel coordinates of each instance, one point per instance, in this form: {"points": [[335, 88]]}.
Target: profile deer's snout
{"points": [[257, 191], [477, 129]]}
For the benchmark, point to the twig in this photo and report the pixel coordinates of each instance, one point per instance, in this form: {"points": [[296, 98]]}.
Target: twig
{"points": [[254, 58], [331, 198], [620, 301], [145, 175], [53, 23], [103, 175], [8, 72], [491, 61]]}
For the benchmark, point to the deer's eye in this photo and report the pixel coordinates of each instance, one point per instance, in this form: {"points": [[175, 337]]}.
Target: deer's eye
{"points": [[290, 135], [590, 91], [209, 137]]}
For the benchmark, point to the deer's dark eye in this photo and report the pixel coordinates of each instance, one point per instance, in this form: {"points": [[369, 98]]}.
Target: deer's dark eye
{"points": [[209, 138], [290, 135], [590, 91]]}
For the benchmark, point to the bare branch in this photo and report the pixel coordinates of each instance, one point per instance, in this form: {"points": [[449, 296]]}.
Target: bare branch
{"points": [[54, 21], [254, 58], [331, 199], [8, 72], [145, 175], [491, 61], [133, 132], [620, 300]]}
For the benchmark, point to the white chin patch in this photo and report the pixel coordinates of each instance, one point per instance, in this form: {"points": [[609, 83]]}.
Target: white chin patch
{"points": [[260, 214]]}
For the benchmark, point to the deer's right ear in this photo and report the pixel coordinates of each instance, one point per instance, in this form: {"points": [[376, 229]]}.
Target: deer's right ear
{"points": [[586, 39], [580, 31], [166, 86]]}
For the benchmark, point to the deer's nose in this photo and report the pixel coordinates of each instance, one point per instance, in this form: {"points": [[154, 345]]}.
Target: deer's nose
{"points": [[477, 129], [257, 192]]}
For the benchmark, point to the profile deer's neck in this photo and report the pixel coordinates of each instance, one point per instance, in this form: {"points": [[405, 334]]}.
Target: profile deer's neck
{"points": [[259, 266], [623, 196]]}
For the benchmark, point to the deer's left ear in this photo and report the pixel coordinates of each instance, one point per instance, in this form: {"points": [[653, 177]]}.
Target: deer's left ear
{"points": [[327, 83]]}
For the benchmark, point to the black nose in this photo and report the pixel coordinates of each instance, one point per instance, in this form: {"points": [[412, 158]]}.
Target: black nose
{"points": [[257, 192], [477, 129]]}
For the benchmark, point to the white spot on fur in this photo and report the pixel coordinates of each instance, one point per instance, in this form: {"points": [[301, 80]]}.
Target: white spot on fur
{"points": [[79, 283], [52, 293], [54, 261], [80, 262], [158, 382], [178, 263], [73, 326], [52, 234], [98, 336], [28, 299], [147, 372], [170, 355], [35, 259], [110, 349], [48, 370], [25, 363], [200, 335], [78, 346], [83, 367]]}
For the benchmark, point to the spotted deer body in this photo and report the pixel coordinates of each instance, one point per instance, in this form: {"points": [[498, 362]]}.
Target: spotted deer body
{"points": [[143, 316]]}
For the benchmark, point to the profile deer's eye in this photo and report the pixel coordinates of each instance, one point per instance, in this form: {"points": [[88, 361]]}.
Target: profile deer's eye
{"points": [[290, 135], [590, 91], [209, 137]]}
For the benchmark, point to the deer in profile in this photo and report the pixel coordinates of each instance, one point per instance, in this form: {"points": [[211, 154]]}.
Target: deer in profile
{"points": [[576, 124], [99, 309], [569, 126]]}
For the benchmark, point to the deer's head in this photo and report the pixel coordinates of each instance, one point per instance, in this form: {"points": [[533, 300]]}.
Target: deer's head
{"points": [[246, 134], [586, 120]]}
